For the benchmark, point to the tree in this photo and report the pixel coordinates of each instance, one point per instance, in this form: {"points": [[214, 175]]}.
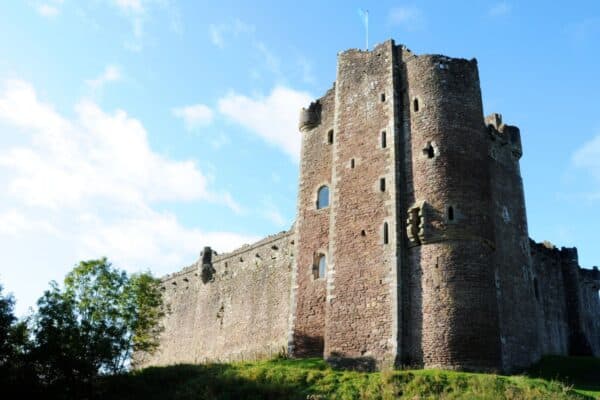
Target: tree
{"points": [[94, 323], [14, 345]]}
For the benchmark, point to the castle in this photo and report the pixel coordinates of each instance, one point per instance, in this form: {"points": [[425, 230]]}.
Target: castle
{"points": [[410, 245]]}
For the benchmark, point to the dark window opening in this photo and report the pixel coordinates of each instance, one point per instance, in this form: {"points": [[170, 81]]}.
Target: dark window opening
{"points": [[429, 150], [330, 137], [363, 233], [382, 97], [450, 213], [383, 140], [385, 233], [536, 289], [352, 163], [323, 197], [416, 105], [320, 267], [382, 184]]}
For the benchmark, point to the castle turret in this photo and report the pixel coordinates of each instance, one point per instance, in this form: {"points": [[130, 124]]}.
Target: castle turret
{"points": [[453, 314]]}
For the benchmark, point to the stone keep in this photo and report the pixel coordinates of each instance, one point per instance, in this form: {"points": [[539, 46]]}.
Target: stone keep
{"points": [[410, 245]]}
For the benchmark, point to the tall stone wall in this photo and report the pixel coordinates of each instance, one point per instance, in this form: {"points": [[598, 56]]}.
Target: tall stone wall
{"points": [[518, 311], [549, 293], [568, 300], [242, 313], [453, 314], [361, 308], [312, 227], [590, 306]]}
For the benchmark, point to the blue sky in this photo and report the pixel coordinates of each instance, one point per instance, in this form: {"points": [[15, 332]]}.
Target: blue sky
{"points": [[144, 130]]}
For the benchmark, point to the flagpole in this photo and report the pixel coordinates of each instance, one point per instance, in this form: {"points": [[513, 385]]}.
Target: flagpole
{"points": [[367, 28]]}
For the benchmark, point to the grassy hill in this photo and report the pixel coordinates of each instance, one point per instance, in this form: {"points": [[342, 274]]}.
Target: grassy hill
{"points": [[553, 378]]}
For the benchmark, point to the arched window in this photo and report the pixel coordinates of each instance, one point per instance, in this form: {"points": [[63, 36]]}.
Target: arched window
{"points": [[319, 268], [323, 197], [322, 266]]}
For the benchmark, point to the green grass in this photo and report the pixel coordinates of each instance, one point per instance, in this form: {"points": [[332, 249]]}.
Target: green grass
{"points": [[583, 373], [314, 379]]}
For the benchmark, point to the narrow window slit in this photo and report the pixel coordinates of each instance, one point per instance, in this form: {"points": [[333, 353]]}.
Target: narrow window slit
{"points": [[383, 140], [382, 184], [352, 163], [450, 213], [416, 105], [382, 97], [385, 233], [330, 137]]}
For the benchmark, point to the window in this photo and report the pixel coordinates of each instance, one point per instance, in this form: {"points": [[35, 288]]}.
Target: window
{"points": [[320, 267], [416, 104], [450, 213], [323, 197], [383, 140], [382, 97], [382, 184], [330, 137], [352, 163], [429, 150], [386, 238]]}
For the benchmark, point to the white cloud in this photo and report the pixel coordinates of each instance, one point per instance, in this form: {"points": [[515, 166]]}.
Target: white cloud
{"points": [[194, 115], [15, 223], [271, 60], [271, 212], [71, 162], [111, 73], [153, 239], [307, 70], [134, 6], [409, 17], [219, 141], [90, 185], [500, 9], [220, 33], [139, 12], [49, 9], [273, 118], [588, 157]]}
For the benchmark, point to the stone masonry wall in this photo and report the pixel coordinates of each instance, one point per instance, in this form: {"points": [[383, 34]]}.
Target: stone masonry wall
{"points": [[512, 259], [242, 314], [590, 306], [453, 314], [549, 293], [361, 324], [312, 229]]}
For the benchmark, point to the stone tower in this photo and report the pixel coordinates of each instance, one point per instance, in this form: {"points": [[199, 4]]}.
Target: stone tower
{"points": [[408, 233]]}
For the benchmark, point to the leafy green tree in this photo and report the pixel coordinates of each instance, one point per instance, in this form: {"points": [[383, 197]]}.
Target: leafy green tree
{"points": [[7, 319], [14, 346], [94, 323]]}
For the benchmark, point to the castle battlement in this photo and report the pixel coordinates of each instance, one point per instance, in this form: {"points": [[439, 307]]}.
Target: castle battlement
{"points": [[410, 245]]}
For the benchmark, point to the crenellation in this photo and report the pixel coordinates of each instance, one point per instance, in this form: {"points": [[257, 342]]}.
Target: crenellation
{"points": [[410, 245]]}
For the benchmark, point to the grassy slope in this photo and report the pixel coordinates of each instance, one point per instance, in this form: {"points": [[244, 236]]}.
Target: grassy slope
{"points": [[313, 379]]}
